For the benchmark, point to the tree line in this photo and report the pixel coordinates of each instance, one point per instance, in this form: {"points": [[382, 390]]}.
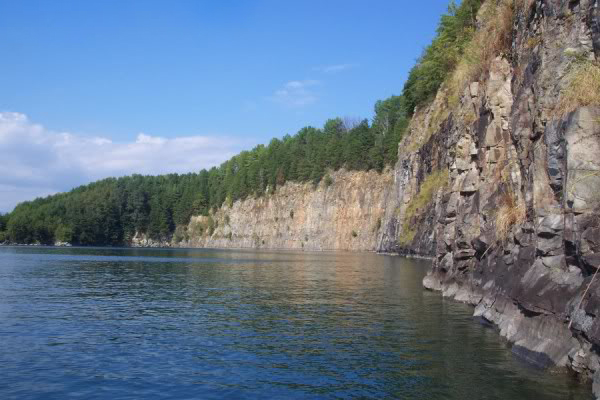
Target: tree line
{"points": [[441, 57], [111, 211]]}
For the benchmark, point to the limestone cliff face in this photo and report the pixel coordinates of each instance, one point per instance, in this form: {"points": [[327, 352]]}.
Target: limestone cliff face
{"points": [[345, 214], [514, 228]]}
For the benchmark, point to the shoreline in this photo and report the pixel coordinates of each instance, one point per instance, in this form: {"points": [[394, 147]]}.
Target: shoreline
{"points": [[125, 246], [288, 249], [542, 341]]}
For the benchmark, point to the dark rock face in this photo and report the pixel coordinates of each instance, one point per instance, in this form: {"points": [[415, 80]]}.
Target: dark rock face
{"points": [[516, 161]]}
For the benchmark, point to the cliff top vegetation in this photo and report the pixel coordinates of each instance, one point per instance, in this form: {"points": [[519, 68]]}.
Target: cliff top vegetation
{"points": [[112, 210]]}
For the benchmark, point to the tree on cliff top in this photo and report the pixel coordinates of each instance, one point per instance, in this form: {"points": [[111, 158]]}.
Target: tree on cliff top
{"points": [[439, 59], [111, 211]]}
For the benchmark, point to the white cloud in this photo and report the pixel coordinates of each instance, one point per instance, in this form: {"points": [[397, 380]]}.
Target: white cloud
{"points": [[296, 93], [36, 161], [142, 138], [331, 69]]}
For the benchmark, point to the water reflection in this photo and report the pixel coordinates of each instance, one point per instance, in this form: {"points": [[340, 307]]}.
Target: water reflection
{"points": [[120, 323]]}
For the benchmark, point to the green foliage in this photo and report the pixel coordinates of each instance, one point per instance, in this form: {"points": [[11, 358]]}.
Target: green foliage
{"points": [[3, 221], [63, 233], [328, 180], [111, 211], [429, 187], [439, 59], [390, 121], [178, 236], [354, 234], [292, 214]]}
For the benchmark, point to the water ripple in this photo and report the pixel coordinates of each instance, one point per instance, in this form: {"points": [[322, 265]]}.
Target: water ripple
{"points": [[100, 323]]}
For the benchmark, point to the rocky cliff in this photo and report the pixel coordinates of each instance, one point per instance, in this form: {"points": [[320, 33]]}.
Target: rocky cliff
{"points": [[343, 212], [500, 183], [498, 179]]}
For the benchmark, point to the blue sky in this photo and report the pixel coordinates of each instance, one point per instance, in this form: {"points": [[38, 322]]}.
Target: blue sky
{"points": [[232, 73]]}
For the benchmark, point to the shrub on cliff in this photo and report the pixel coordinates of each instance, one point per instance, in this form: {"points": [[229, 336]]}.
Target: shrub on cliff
{"points": [[492, 38], [429, 187], [467, 60], [439, 59]]}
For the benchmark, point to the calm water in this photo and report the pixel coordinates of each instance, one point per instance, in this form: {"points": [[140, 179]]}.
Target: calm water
{"points": [[122, 323]]}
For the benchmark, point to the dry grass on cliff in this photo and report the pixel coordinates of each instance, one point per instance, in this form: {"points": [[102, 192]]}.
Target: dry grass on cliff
{"points": [[512, 212], [583, 88], [430, 186], [493, 39]]}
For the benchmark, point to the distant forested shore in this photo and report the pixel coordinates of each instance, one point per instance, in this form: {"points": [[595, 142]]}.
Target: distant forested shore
{"points": [[111, 211]]}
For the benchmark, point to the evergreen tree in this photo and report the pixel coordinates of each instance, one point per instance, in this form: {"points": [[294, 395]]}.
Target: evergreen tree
{"points": [[112, 211]]}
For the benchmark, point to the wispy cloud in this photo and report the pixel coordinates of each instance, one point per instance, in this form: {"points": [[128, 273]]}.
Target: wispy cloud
{"points": [[331, 69], [296, 93], [36, 161]]}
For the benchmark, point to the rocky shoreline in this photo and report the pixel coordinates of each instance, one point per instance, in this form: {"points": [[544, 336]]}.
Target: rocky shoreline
{"points": [[540, 339], [497, 181], [514, 230]]}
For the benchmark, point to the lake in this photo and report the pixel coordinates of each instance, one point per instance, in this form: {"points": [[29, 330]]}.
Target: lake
{"points": [[108, 323]]}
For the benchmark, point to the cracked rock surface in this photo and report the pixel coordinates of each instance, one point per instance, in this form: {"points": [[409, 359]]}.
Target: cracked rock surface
{"points": [[544, 168]]}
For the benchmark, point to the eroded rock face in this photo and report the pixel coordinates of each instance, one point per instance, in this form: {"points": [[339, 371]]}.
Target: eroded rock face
{"points": [[142, 240], [515, 228], [345, 215], [517, 160]]}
